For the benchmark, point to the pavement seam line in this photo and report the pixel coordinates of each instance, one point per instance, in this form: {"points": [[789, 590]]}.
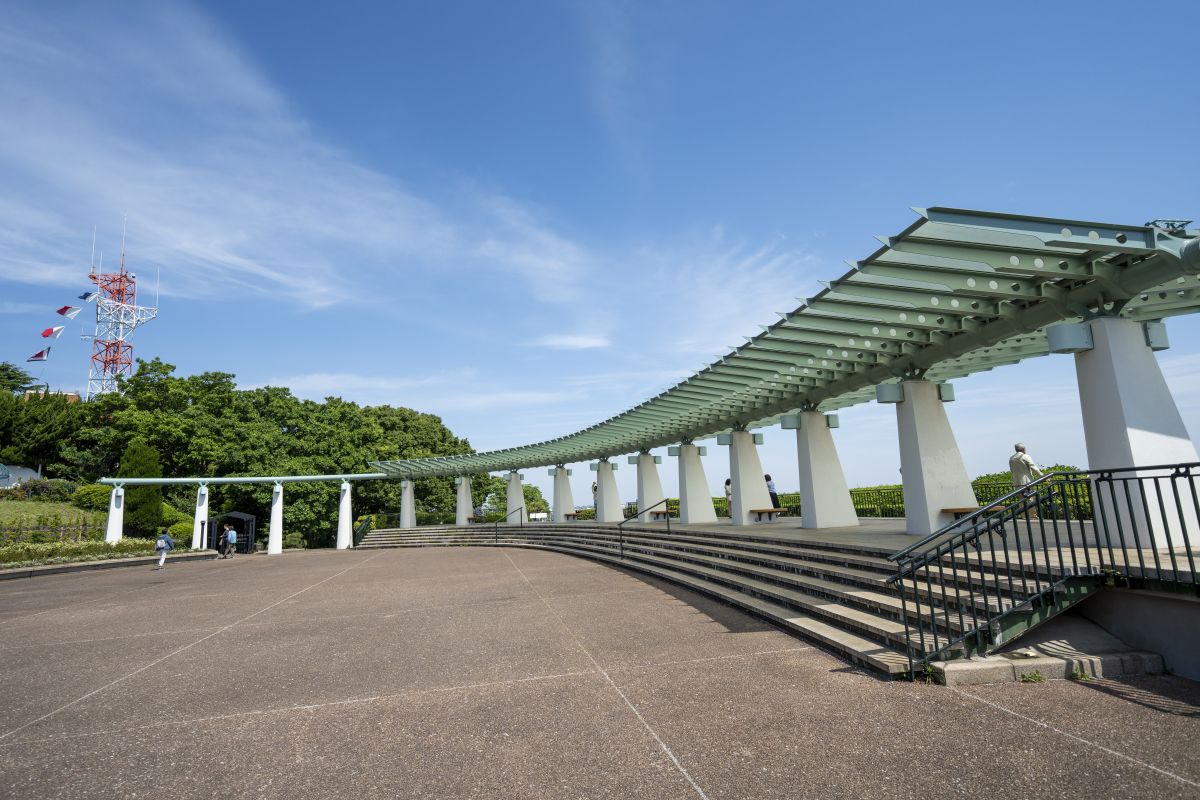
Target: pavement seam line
{"points": [[1080, 739], [179, 650], [716, 658], [305, 707], [579, 643]]}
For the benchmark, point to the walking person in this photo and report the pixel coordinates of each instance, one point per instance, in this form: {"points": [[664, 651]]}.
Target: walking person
{"points": [[729, 497], [771, 491], [596, 498], [223, 542], [1024, 471], [163, 545], [231, 538]]}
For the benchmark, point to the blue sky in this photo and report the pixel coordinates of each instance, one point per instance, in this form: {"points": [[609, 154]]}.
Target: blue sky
{"points": [[529, 216]]}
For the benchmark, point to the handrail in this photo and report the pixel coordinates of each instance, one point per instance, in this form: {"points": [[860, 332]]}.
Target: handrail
{"points": [[496, 525], [1042, 547], [363, 528], [1046, 478], [622, 523]]}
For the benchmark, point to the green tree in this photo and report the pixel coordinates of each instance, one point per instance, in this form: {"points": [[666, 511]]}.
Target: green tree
{"points": [[13, 378], [143, 504], [534, 501]]}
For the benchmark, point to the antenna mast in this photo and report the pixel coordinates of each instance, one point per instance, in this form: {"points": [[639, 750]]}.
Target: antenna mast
{"points": [[117, 316]]}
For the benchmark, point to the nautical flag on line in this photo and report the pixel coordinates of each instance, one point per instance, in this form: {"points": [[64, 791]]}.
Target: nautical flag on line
{"points": [[53, 333], [68, 311], [40, 355], [87, 296]]}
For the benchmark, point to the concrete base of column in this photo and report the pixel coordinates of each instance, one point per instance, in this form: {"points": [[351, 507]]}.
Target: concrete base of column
{"points": [[564, 501], [408, 507], [116, 516], [1129, 420], [200, 519], [463, 509], [695, 496], [516, 499], [745, 469], [649, 487], [345, 529], [824, 497], [934, 474], [275, 533], [608, 501]]}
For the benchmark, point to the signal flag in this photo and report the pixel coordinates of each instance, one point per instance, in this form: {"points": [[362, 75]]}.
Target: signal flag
{"points": [[68, 311], [40, 355], [53, 333], [87, 297]]}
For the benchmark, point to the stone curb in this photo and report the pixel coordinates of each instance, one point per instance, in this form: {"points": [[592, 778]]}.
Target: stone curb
{"points": [[108, 563], [998, 669]]}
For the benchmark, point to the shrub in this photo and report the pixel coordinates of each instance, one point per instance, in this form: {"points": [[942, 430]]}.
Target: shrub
{"points": [[293, 539], [171, 516], [181, 532], [50, 490], [13, 554], [92, 497], [143, 504]]}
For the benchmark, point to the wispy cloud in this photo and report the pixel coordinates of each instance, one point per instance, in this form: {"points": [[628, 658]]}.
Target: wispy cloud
{"points": [[226, 185], [572, 341], [458, 390], [22, 308], [613, 78]]}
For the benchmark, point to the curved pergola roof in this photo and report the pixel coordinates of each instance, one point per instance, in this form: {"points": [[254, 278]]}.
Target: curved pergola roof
{"points": [[957, 292]]}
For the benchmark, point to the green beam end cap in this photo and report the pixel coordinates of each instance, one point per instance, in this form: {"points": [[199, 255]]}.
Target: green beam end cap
{"points": [[790, 422], [889, 393], [946, 392], [832, 421], [1069, 337]]}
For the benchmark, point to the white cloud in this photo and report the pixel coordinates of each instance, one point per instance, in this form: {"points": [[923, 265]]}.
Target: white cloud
{"points": [[225, 185], [22, 308], [571, 341]]}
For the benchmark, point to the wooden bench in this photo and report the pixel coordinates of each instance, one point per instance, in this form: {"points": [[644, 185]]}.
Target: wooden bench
{"points": [[659, 513], [959, 513], [771, 513]]}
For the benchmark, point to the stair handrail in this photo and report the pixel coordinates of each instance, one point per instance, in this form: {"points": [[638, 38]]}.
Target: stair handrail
{"points": [[496, 524], [365, 525], [622, 523]]}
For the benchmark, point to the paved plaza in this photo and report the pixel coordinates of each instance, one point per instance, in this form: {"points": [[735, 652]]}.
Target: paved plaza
{"points": [[514, 673]]}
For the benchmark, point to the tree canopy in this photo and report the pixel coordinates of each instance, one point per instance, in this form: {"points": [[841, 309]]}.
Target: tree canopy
{"points": [[204, 426]]}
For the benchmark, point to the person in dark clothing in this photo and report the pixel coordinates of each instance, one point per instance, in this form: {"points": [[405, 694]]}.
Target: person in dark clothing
{"points": [[771, 491]]}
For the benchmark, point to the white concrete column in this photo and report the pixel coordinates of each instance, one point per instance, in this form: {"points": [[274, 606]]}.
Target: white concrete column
{"points": [[200, 520], [275, 534], [932, 469], [608, 501], [746, 472], [463, 507], [649, 485], [824, 497], [116, 516], [408, 505], [564, 501], [516, 499], [695, 496], [345, 529], [1130, 420]]}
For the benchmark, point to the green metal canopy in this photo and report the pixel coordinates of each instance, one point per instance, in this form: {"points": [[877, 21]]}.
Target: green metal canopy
{"points": [[957, 292]]}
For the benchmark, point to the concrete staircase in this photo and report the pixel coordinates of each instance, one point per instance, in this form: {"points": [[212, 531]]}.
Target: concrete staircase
{"points": [[834, 594]]}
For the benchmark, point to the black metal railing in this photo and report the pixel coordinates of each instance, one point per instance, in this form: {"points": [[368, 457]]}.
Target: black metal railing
{"points": [[363, 528], [496, 524], [621, 525], [1017, 561]]}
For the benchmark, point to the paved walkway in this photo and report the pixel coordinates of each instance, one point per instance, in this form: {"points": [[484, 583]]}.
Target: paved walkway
{"points": [[509, 673]]}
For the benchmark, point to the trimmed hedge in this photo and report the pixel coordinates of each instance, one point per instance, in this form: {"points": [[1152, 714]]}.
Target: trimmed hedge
{"points": [[13, 555], [92, 497]]}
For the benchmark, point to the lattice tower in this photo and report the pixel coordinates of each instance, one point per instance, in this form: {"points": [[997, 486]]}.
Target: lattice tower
{"points": [[117, 316]]}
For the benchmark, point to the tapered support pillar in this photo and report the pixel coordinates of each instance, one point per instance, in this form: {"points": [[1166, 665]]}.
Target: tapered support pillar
{"points": [[746, 472], [200, 520], [275, 535], [116, 516], [649, 485], [932, 468], [516, 499], [345, 529], [695, 496], [608, 501], [408, 505], [462, 505], [824, 497], [564, 501], [1130, 420]]}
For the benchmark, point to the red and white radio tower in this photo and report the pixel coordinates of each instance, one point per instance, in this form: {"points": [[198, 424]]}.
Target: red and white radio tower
{"points": [[117, 315]]}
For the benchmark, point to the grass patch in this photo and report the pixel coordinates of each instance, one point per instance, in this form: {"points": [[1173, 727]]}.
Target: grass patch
{"points": [[1032, 677]]}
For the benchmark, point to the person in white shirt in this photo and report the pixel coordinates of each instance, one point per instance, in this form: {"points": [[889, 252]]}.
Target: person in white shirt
{"points": [[1024, 470], [771, 491]]}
